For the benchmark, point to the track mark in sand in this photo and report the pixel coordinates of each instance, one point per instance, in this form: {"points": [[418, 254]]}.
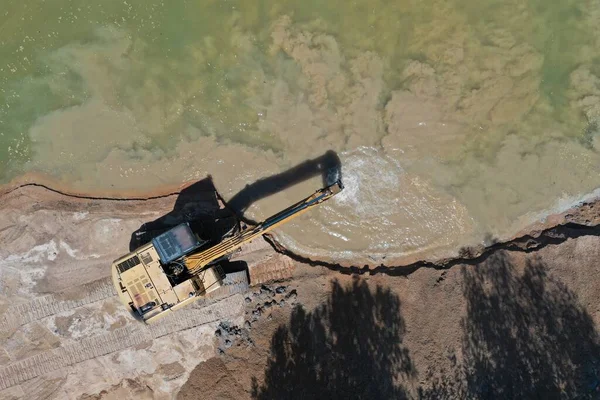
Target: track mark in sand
{"points": [[39, 388], [277, 268], [49, 305], [46, 306], [101, 289], [120, 339], [233, 283]]}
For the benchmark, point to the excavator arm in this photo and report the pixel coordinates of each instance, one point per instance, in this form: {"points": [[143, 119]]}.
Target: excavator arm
{"points": [[196, 262]]}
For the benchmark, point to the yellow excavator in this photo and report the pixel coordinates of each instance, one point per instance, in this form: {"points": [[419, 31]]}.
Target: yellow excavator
{"points": [[177, 267]]}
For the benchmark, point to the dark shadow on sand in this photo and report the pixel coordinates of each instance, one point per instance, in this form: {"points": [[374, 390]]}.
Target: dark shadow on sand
{"points": [[197, 204], [350, 347], [525, 336]]}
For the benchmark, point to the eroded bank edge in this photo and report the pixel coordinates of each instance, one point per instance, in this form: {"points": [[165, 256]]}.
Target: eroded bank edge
{"points": [[569, 226]]}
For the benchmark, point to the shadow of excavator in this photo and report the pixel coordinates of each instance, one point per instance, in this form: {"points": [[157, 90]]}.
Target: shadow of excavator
{"points": [[328, 166], [212, 219]]}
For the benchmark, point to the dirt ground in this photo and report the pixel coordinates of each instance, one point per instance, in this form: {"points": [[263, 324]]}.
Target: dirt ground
{"points": [[63, 332], [517, 325], [518, 319]]}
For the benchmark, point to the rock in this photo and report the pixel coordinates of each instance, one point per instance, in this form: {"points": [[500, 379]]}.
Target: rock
{"points": [[280, 289], [265, 289], [292, 295]]}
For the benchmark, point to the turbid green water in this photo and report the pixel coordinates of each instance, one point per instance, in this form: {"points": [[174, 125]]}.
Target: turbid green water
{"points": [[455, 120]]}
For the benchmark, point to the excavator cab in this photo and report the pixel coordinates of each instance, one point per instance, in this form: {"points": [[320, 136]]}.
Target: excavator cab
{"points": [[176, 242]]}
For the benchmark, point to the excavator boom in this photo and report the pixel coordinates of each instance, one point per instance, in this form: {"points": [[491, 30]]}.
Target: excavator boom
{"points": [[196, 262]]}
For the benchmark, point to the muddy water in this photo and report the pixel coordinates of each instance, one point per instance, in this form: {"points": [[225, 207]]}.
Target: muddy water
{"points": [[456, 122]]}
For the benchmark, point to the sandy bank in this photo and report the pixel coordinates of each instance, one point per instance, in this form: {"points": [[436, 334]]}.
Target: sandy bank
{"points": [[56, 300]]}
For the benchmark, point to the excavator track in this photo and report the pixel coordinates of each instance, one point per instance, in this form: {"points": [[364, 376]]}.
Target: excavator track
{"points": [[46, 306], [39, 388], [235, 282]]}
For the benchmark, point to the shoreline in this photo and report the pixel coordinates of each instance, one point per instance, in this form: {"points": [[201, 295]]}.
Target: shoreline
{"points": [[582, 216], [36, 179], [58, 249]]}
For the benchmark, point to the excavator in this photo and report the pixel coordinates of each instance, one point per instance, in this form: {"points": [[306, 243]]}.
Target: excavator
{"points": [[178, 267]]}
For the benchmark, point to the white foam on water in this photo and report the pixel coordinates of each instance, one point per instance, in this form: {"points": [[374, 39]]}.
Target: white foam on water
{"points": [[382, 209], [562, 205]]}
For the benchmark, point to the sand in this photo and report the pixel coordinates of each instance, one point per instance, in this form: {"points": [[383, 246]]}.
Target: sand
{"points": [[465, 143], [65, 335]]}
